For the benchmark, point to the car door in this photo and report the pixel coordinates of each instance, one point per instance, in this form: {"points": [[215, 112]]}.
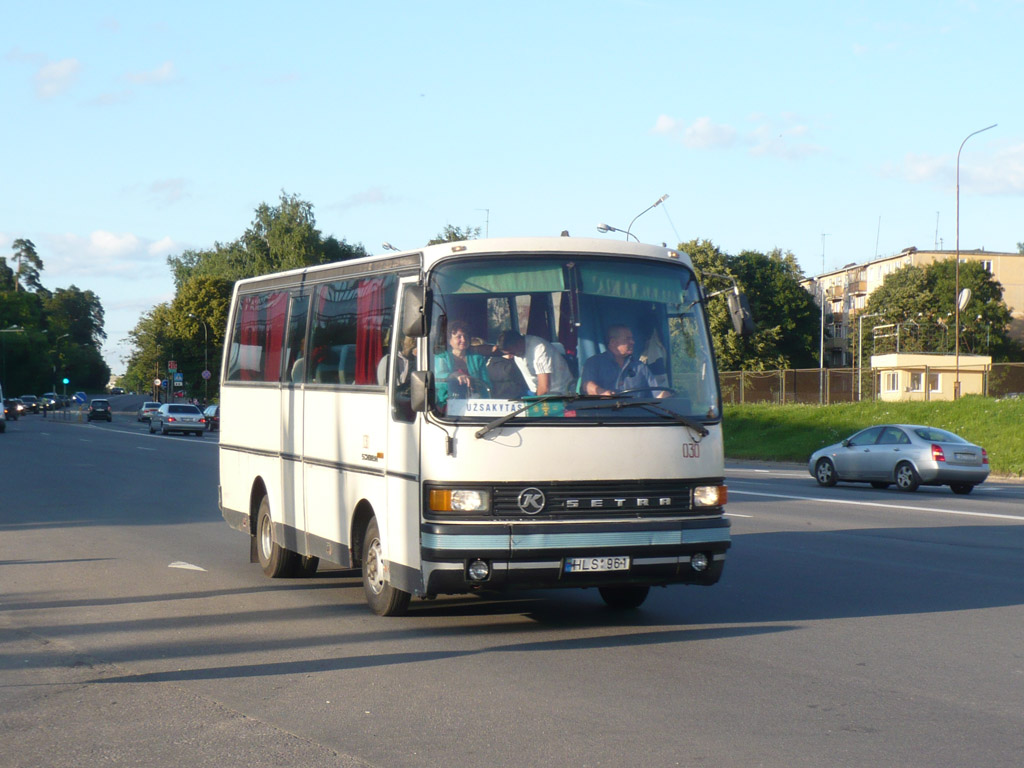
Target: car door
{"points": [[882, 457], [852, 460]]}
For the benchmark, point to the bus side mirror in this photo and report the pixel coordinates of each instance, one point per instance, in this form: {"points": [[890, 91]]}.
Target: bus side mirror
{"points": [[421, 390], [415, 317], [739, 311]]}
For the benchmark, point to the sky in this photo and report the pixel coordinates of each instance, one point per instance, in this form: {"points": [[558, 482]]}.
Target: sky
{"points": [[134, 131]]}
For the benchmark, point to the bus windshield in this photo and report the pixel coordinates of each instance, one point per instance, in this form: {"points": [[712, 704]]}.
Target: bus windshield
{"points": [[590, 338]]}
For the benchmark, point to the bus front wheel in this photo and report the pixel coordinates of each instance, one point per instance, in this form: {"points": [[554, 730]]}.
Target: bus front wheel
{"points": [[383, 599], [624, 598], [275, 560]]}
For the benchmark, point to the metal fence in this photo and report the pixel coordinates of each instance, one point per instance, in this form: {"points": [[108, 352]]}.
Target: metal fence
{"points": [[839, 385]]}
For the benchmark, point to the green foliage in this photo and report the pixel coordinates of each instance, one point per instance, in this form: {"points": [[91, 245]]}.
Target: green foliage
{"points": [[452, 234], [796, 431], [51, 335], [787, 319], [922, 301]]}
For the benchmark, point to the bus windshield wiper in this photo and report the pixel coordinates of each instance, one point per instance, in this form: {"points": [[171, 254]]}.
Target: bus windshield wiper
{"points": [[503, 420], [655, 406]]}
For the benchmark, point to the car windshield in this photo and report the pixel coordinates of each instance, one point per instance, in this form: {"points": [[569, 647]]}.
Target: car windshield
{"points": [[572, 314], [182, 409], [938, 435]]}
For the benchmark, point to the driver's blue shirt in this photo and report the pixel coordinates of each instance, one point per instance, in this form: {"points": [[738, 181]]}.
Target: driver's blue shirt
{"points": [[607, 374]]}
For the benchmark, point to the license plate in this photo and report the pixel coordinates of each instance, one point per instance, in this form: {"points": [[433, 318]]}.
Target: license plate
{"points": [[964, 456], [595, 564]]}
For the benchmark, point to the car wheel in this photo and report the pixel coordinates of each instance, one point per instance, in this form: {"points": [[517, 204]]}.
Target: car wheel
{"points": [[879, 484], [961, 489], [151, 430], [163, 430], [275, 560], [907, 478], [383, 599], [825, 473], [624, 598]]}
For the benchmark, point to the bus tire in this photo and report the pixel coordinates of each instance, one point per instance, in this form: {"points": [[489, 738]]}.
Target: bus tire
{"points": [[305, 566], [624, 598], [275, 560], [383, 599]]}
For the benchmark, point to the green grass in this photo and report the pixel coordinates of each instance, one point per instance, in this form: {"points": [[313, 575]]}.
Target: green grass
{"points": [[794, 432]]}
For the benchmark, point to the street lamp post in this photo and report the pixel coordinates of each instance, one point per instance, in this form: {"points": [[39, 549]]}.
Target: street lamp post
{"points": [[860, 347], [206, 364], [628, 230], [956, 297]]}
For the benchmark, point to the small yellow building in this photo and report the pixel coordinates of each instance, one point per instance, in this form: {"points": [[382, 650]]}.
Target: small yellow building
{"points": [[928, 377]]}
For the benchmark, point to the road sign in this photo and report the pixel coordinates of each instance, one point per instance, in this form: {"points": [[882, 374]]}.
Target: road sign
{"points": [[172, 365], [156, 382], [207, 375]]}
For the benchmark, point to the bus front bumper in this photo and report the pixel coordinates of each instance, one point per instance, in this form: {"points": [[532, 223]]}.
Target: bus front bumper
{"points": [[465, 557]]}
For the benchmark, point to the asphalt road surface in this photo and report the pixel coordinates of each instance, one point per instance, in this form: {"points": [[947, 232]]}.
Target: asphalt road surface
{"points": [[853, 627]]}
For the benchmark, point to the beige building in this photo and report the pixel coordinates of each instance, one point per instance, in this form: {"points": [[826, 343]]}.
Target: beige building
{"points": [[846, 292], [928, 377]]}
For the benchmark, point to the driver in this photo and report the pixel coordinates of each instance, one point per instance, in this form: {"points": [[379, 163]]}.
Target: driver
{"points": [[616, 370], [457, 371]]}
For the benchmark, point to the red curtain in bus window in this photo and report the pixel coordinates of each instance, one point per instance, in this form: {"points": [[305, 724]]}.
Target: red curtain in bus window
{"points": [[369, 330], [249, 340], [276, 315]]}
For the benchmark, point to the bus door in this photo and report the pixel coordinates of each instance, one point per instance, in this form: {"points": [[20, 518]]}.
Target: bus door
{"points": [[292, 407], [402, 451]]}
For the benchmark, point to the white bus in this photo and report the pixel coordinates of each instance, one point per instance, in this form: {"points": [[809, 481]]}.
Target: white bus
{"points": [[369, 421]]}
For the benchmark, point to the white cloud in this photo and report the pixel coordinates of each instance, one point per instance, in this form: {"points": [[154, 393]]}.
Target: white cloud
{"points": [[163, 74], [369, 196], [106, 254], [702, 133], [999, 174], [55, 77], [785, 138]]}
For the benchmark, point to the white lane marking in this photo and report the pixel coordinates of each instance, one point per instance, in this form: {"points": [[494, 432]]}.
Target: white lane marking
{"points": [[143, 448], [822, 499], [186, 566]]}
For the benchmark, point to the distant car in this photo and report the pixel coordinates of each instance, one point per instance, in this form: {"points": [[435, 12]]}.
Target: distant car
{"points": [[212, 414], [50, 399], [909, 455], [147, 410], [31, 403], [117, 390], [12, 408], [100, 409], [177, 417]]}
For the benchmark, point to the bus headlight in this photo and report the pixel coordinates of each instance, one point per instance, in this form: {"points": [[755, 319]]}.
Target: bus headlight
{"points": [[460, 500], [710, 495]]}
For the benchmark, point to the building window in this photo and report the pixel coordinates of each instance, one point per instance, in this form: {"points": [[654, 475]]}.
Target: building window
{"points": [[987, 265], [916, 381], [933, 382], [891, 381]]}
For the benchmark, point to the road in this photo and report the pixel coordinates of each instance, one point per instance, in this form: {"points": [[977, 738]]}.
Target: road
{"points": [[853, 627]]}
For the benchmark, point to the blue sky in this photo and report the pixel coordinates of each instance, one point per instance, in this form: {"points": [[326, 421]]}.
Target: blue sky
{"points": [[132, 131]]}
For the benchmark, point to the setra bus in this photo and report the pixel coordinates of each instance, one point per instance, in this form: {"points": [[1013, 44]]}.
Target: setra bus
{"points": [[370, 420]]}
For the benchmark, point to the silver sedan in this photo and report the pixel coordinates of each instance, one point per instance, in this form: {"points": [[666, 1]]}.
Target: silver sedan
{"points": [[909, 455]]}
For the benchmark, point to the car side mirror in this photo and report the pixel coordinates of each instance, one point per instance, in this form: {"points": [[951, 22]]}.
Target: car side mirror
{"points": [[421, 390], [415, 317], [846, 442]]}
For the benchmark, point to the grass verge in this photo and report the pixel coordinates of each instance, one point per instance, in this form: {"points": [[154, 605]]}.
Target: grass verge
{"points": [[794, 432]]}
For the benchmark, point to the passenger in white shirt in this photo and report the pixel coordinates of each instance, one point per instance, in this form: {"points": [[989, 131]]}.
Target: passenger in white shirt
{"points": [[543, 366]]}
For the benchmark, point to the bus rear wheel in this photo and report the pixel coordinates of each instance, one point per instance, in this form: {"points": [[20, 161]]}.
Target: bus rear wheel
{"points": [[275, 560], [624, 598], [383, 599]]}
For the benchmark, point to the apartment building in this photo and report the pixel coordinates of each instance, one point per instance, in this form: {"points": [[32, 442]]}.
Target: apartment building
{"points": [[846, 291]]}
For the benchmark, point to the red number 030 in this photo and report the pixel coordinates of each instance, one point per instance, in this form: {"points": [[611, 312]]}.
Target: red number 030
{"points": [[691, 450]]}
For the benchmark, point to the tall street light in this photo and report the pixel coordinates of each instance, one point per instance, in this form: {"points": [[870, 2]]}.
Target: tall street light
{"points": [[956, 298], [821, 354], [628, 230], [206, 366], [56, 348]]}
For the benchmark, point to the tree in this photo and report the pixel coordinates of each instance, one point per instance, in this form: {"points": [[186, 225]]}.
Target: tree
{"points": [[279, 237], [919, 304], [452, 234], [29, 265], [786, 316], [7, 282], [77, 313]]}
